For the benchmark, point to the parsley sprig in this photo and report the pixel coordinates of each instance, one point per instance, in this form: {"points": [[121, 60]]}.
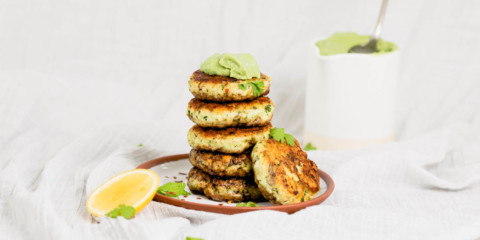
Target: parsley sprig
{"points": [[173, 189], [247, 204], [309, 147], [122, 210], [257, 87], [279, 134]]}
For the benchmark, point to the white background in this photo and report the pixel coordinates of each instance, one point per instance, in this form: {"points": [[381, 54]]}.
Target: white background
{"points": [[97, 76], [96, 47]]}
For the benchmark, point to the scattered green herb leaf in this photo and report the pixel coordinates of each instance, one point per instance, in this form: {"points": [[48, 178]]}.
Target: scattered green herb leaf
{"points": [[278, 134], [122, 210], [128, 212], [173, 189], [114, 213], [309, 147], [140, 145], [247, 204]]}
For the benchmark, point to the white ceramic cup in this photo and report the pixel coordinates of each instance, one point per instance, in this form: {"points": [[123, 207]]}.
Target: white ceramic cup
{"points": [[350, 99]]}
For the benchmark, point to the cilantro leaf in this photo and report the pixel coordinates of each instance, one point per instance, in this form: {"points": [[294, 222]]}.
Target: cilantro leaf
{"points": [[173, 189], [247, 204], [122, 210], [257, 87], [140, 145], [128, 212], [309, 147], [114, 213], [290, 139], [242, 86], [278, 134]]}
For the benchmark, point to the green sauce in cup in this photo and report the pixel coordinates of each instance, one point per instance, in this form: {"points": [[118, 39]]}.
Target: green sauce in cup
{"points": [[340, 43]]}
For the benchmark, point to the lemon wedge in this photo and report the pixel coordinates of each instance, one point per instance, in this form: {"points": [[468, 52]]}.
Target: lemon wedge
{"points": [[134, 188]]}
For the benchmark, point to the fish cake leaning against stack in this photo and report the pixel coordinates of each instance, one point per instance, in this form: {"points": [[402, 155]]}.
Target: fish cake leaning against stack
{"points": [[283, 173], [230, 119]]}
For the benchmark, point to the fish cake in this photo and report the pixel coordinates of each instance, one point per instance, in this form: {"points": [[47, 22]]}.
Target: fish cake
{"points": [[257, 112], [221, 164], [227, 140], [223, 189], [222, 89], [283, 173]]}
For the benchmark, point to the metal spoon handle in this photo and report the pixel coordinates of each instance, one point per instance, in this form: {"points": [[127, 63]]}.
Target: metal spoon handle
{"points": [[378, 28]]}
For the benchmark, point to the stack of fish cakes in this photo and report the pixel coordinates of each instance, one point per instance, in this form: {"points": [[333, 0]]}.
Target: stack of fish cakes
{"points": [[230, 119]]}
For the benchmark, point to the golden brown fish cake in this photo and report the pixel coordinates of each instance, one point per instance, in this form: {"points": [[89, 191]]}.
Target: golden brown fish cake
{"points": [[283, 173], [222, 89], [220, 164], [227, 140], [257, 112], [222, 189]]}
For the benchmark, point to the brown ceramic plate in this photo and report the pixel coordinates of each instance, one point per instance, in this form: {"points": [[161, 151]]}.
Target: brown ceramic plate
{"points": [[175, 168]]}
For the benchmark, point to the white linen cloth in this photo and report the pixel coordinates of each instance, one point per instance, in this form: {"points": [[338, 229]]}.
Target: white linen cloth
{"points": [[83, 83], [422, 188]]}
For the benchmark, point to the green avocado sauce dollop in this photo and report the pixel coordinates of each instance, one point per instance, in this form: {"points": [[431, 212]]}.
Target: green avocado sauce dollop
{"points": [[239, 66]]}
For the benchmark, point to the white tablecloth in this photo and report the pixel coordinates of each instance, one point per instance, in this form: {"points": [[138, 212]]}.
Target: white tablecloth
{"points": [[83, 83]]}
